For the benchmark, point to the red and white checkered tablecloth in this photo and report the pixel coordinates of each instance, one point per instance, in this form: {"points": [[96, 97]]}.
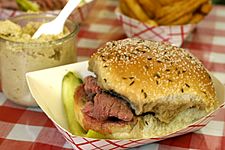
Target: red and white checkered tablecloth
{"points": [[29, 128]]}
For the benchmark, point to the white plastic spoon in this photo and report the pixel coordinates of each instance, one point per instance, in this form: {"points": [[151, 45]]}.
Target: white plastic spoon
{"points": [[56, 26]]}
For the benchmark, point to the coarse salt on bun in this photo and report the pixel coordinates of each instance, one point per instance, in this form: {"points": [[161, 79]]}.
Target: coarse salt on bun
{"points": [[154, 76]]}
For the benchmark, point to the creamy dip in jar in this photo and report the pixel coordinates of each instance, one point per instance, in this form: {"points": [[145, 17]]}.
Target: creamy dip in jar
{"points": [[21, 54]]}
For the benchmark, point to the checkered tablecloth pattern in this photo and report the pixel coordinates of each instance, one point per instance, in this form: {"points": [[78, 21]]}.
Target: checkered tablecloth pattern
{"points": [[173, 34], [29, 128]]}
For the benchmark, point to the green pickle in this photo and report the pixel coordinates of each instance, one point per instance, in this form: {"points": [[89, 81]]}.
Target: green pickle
{"points": [[94, 134], [27, 5], [69, 84]]}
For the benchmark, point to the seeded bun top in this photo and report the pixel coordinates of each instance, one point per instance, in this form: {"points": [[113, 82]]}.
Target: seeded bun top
{"points": [[153, 77]]}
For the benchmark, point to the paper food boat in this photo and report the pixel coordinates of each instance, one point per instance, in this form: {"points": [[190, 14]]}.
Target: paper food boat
{"points": [[175, 34], [45, 86], [78, 15]]}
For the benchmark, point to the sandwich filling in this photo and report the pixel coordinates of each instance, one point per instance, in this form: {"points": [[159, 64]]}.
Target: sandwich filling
{"points": [[102, 105], [102, 109]]}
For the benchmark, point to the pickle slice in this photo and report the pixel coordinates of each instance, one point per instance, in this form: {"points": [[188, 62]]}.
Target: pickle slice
{"points": [[94, 134], [69, 84], [27, 5]]}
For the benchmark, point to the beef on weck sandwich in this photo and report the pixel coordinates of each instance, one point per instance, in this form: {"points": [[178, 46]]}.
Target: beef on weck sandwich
{"points": [[143, 89]]}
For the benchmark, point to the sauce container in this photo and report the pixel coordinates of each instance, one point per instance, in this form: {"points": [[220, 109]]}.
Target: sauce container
{"points": [[19, 57]]}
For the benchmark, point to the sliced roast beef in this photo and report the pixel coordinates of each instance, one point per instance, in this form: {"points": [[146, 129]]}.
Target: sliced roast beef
{"points": [[105, 127], [91, 87], [89, 108], [106, 106]]}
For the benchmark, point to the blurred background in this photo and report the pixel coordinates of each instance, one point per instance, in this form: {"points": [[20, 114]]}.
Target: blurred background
{"points": [[33, 5], [219, 2], [46, 4]]}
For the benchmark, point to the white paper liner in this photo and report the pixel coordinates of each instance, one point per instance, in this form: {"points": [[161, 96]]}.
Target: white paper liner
{"points": [[175, 34], [45, 86]]}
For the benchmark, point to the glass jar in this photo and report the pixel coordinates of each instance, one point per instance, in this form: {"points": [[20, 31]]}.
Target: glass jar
{"points": [[18, 58]]}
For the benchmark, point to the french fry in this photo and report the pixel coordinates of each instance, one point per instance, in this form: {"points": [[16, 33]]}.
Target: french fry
{"points": [[166, 12], [196, 18], [134, 6], [167, 2], [163, 11], [151, 23], [150, 7], [189, 6], [206, 8], [147, 11], [125, 10], [182, 20]]}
